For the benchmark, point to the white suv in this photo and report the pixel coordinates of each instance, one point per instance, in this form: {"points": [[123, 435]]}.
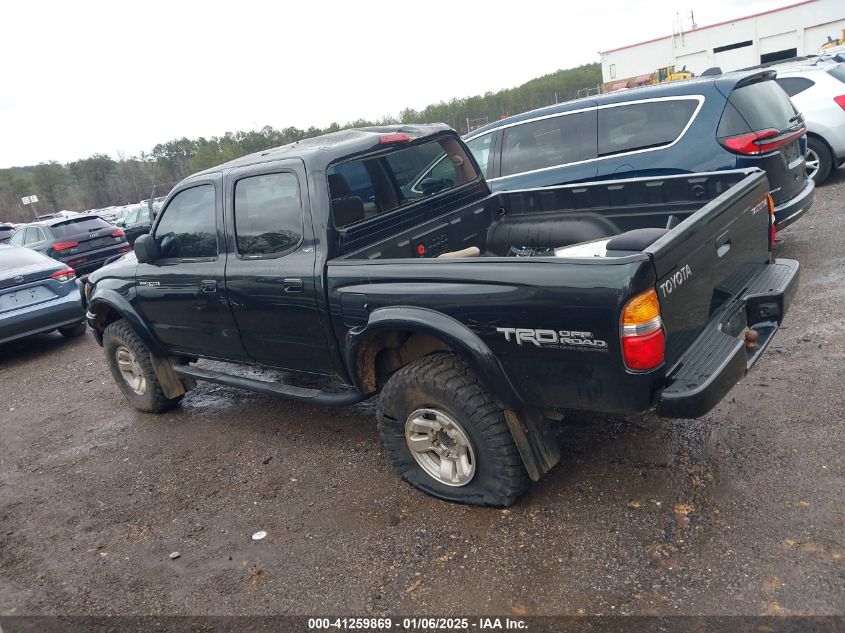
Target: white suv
{"points": [[818, 92]]}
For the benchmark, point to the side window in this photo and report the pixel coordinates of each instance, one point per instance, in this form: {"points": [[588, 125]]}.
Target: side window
{"points": [[794, 85], [559, 140], [17, 238], [30, 235], [637, 126], [480, 148], [188, 227], [39, 235], [268, 214]]}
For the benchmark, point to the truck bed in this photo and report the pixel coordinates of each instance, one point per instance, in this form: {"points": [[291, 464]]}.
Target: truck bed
{"points": [[567, 259], [572, 221]]}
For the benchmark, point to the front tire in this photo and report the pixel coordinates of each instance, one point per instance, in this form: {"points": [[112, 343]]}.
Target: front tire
{"points": [[447, 436], [132, 370], [819, 160]]}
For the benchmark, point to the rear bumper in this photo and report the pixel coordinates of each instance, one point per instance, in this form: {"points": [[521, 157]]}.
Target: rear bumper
{"points": [[719, 357], [42, 317], [95, 259], [789, 211]]}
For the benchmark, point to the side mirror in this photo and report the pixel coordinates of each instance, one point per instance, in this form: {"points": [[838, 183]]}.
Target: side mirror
{"points": [[146, 249]]}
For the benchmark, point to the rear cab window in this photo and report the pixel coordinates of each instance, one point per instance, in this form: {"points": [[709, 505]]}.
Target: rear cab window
{"points": [[367, 187], [630, 127]]}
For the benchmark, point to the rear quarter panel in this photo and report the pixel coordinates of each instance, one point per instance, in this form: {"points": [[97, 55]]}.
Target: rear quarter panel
{"points": [[496, 297]]}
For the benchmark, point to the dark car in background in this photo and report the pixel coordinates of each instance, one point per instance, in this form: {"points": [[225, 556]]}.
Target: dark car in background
{"points": [[82, 242], [6, 232], [712, 123], [37, 294], [136, 223]]}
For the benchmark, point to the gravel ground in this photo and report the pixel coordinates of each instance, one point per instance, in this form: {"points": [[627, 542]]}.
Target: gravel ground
{"points": [[740, 512]]}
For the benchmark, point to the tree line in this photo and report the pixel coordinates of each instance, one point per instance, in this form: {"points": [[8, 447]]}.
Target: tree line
{"points": [[100, 181]]}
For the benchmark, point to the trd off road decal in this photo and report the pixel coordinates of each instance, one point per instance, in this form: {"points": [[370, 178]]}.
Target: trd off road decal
{"points": [[553, 339]]}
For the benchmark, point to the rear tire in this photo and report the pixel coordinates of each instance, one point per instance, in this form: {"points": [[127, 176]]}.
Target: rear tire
{"points": [[129, 361], [70, 331], [819, 160], [438, 404]]}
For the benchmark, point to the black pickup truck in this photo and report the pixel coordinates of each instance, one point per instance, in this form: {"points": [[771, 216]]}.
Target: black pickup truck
{"points": [[477, 317]]}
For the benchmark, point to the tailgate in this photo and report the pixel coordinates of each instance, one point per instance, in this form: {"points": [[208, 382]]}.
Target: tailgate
{"points": [[710, 259]]}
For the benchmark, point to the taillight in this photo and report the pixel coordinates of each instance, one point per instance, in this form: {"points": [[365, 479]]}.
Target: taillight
{"points": [[772, 230], [761, 142], [64, 275], [63, 246], [643, 339], [840, 101], [118, 233]]}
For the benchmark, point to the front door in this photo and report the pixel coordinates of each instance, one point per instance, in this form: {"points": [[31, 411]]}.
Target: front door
{"points": [[270, 276], [182, 295]]}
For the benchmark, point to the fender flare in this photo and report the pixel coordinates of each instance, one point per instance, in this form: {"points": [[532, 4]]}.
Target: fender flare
{"points": [[441, 326], [171, 384], [119, 304]]}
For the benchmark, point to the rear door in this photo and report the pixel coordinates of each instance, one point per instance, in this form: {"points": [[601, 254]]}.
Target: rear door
{"points": [[706, 260], [270, 276], [762, 127]]}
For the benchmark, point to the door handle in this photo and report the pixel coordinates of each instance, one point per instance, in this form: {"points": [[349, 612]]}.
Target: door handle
{"points": [[293, 284], [208, 285], [723, 244]]}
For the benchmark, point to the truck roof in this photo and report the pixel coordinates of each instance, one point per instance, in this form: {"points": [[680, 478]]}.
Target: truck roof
{"points": [[324, 149]]}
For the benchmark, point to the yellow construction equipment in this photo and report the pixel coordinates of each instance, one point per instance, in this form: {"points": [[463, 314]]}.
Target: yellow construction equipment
{"points": [[832, 42], [667, 73]]}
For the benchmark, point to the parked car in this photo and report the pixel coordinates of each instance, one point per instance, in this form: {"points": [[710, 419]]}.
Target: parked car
{"points": [[6, 232], [136, 223], [477, 317], [83, 242], [818, 91], [728, 121], [37, 294]]}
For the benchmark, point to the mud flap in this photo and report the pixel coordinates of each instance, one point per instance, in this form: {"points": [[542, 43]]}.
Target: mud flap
{"points": [[536, 439], [172, 385]]}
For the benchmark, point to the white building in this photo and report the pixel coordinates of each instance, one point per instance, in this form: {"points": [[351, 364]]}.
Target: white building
{"points": [[797, 29]]}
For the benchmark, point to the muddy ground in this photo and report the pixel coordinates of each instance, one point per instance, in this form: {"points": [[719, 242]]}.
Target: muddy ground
{"points": [[740, 512]]}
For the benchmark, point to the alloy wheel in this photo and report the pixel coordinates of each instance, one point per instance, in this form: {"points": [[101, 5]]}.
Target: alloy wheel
{"points": [[440, 446], [130, 370]]}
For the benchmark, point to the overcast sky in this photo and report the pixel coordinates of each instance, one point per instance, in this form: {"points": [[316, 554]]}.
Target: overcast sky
{"points": [[86, 77]]}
